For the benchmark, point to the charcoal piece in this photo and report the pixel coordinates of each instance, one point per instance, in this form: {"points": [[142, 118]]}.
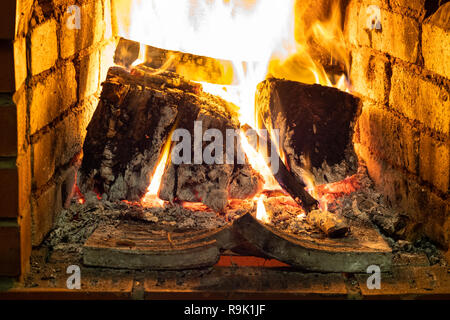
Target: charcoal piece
{"points": [[316, 124], [332, 225]]}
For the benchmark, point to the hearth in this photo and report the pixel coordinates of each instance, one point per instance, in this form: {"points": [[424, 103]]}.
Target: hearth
{"points": [[141, 135]]}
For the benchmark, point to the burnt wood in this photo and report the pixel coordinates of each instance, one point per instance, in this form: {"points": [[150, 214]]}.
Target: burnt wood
{"points": [[316, 123], [134, 246], [136, 112], [332, 225], [363, 247], [126, 134], [294, 187]]}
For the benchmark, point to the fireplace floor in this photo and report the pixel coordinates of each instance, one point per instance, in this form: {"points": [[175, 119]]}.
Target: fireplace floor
{"points": [[411, 277], [134, 245]]}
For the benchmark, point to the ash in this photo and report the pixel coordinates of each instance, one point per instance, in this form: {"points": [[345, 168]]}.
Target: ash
{"points": [[353, 199], [75, 224]]}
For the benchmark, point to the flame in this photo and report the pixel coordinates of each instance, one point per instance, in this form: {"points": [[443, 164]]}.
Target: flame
{"points": [[259, 164], [260, 38], [261, 213], [151, 198]]}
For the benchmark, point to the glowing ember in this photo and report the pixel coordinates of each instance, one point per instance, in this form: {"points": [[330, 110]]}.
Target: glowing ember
{"points": [[195, 206]]}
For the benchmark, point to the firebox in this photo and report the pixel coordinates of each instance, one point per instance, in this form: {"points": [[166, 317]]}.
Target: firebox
{"points": [[290, 138]]}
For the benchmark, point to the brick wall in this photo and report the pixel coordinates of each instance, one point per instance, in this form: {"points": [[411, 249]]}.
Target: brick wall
{"points": [[402, 73], [50, 87]]}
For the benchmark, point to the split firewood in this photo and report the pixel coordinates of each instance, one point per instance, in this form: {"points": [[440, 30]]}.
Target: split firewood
{"points": [[329, 223], [131, 124], [125, 136], [316, 126], [211, 184]]}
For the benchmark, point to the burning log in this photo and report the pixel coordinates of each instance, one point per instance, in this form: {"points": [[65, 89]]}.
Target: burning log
{"points": [[294, 187], [126, 53], [329, 223], [190, 66], [125, 136], [316, 125], [212, 184], [132, 123]]}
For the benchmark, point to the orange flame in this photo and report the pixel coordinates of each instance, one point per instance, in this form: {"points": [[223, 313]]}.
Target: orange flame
{"points": [[151, 198]]}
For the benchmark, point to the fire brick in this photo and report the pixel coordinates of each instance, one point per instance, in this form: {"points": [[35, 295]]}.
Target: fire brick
{"points": [[89, 74], [58, 146], [435, 162], [7, 22], [10, 262], [436, 41], [7, 80], [430, 212], [20, 61], [91, 31], [389, 137], [420, 100], [369, 74], [51, 96], [44, 47], [398, 35], [416, 7], [351, 23], [9, 189], [8, 130], [44, 210]]}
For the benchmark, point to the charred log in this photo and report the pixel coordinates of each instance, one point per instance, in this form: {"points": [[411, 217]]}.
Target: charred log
{"points": [[126, 53], [316, 125], [212, 184], [130, 126], [125, 136]]}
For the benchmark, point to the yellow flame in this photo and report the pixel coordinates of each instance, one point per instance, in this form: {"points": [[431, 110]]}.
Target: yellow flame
{"points": [[259, 164], [151, 198], [261, 213]]}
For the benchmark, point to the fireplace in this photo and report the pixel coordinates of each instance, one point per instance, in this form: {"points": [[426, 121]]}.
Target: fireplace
{"points": [[79, 161]]}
